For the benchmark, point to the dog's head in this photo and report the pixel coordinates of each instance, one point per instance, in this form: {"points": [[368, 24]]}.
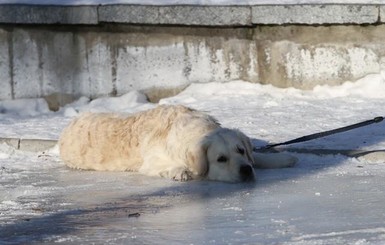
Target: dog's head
{"points": [[228, 156]]}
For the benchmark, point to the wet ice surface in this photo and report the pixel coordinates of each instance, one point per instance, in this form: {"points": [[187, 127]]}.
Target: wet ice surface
{"points": [[328, 199], [323, 200]]}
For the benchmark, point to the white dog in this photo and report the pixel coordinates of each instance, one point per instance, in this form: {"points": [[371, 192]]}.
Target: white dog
{"points": [[169, 141]]}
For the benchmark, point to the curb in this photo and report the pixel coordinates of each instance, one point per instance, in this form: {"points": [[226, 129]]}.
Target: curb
{"points": [[369, 156], [343, 152], [373, 156], [38, 145], [32, 145]]}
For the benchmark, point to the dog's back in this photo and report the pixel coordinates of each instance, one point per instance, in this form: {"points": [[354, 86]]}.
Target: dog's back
{"points": [[103, 141]]}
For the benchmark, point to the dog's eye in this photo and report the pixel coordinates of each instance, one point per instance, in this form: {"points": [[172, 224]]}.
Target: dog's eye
{"points": [[222, 159], [240, 150]]}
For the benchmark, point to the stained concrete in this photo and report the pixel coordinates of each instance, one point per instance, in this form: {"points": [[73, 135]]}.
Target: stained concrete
{"points": [[315, 14], [31, 14], [206, 15], [113, 49]]}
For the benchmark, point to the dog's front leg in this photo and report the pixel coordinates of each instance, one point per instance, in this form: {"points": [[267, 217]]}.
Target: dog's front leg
{"points": [[274, 160], [163, 166]]}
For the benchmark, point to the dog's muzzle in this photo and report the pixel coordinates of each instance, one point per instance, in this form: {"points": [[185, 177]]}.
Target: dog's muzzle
{"points": [[246, 172]]}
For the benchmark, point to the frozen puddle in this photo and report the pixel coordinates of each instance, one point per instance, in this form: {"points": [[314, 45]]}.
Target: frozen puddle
{"points": [[323, 200]]}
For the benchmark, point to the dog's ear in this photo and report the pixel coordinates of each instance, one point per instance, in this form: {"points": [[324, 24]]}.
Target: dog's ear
{"points": [[247, 144], [198, 162]]}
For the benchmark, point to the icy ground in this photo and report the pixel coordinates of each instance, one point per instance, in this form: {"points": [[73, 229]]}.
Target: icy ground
{"points": [[328, 199]]}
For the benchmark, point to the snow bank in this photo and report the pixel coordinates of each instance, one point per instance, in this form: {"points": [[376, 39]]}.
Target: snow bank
{"points": [[24, 107], [6, 151], [130, 102], [371, 86], [261, 111]]}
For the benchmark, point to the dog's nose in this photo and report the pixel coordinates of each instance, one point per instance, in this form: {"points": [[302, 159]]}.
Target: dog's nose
{"points": [[246, 171]]}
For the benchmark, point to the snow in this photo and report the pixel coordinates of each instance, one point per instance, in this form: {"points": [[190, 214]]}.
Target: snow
{"points": [[324, 199], [187, 2], [23, 107]]}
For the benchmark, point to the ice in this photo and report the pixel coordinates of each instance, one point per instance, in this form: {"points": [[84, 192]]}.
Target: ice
{"points": [[324, 199]]}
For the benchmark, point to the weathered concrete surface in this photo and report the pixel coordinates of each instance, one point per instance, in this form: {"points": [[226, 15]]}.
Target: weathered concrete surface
{"points": [[32, 145], [94, 62], [176, 15], [202, 15], [315, 14], [382, 14], [57, 100], [43, 62], [134, 14], [206, 15], [29, 14], [6, 83], [306, 56], [38, 61], [113, 49]]}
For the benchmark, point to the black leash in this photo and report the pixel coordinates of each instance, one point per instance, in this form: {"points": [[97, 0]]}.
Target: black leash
{"points": [[324, 134]]}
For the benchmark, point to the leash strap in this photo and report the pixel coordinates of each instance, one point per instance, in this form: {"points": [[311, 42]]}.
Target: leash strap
{"points": [[325, 133]]}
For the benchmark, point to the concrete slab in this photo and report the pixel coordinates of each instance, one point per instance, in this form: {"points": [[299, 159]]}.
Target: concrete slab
{"points": [[205, 15], [315, 14], [176, 15], [29, 14], [129, 14], [381, 17], [6, 82]]}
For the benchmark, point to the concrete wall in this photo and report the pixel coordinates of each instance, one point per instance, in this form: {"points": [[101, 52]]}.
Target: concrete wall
{"points": [[37, 61], [305, 56], [112, 56]]}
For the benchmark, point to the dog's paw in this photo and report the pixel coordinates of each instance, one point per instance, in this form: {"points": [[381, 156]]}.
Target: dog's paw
{"points": [[177, 174], [183, 176]]}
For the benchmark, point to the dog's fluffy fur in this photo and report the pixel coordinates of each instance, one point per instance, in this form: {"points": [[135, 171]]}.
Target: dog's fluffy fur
{"points": [[169, 141]]}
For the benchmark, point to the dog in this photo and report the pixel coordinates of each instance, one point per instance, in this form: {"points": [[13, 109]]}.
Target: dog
{"points": [[170, 141]]}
